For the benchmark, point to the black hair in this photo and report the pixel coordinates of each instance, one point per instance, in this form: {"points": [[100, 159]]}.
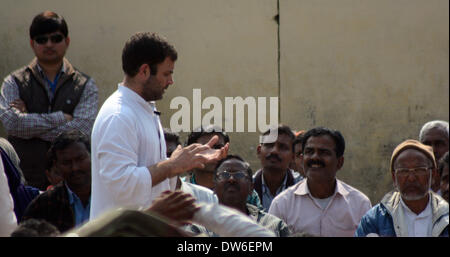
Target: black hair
{"points": [[237, 157], [321, 131], [65, 139], [442, 163], [298, 140], [35, 228], [208, 130], [146, 48], [281, 130], [170, 136], [48, 22]]}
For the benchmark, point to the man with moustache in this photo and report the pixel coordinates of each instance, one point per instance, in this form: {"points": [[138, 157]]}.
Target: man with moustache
{"points": [[275, 156], [67, 205], [413, 210], [130, 167], [321, 205], [435, 134], [46, 97]]}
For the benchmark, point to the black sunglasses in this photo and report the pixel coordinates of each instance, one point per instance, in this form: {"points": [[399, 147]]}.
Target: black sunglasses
{"points": [[56, 38]]}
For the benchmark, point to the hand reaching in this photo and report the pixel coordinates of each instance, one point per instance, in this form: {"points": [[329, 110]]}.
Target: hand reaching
{"points": [[177, 206]]}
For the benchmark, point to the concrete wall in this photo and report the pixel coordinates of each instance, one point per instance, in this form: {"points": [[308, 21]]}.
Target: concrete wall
{"points": [[375, 70]]}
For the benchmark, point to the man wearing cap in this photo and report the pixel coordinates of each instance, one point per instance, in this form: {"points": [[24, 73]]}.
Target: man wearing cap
{"points": [[413, 210]]}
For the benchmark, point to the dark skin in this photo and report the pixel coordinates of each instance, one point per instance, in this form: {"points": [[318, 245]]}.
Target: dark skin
{"points": [[437, 138], [413, 185], [177, 206], [205, 176], [321, 165], [74, 165], [233, 192], [275, 160]]}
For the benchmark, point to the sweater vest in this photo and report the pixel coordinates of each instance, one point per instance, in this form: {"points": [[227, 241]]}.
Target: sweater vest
{"points": [[32, 90]]}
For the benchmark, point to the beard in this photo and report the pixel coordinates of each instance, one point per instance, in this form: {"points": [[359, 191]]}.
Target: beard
{"points": [[414, 196]]}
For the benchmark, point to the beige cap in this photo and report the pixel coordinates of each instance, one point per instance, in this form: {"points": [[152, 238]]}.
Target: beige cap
{"points": [[413, 144]]}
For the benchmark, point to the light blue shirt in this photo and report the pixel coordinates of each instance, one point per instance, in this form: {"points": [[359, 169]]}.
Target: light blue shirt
{"points": [[81, 213]]}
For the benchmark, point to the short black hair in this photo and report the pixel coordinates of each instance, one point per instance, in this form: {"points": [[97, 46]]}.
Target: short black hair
{"points": [[298, 140], [171, 136], [442, 163], [237, 157], [48, 22], [146, 48], [322, 131], [65, 139], [35, 228], [208, 130], [281, 130]]}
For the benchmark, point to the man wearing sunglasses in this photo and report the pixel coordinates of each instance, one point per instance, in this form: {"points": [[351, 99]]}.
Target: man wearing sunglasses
{"points": [[46, 97], [233, 184], [413, 210]]}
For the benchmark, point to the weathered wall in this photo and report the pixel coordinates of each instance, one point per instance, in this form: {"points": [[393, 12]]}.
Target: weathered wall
{"points": [[375, 70]]}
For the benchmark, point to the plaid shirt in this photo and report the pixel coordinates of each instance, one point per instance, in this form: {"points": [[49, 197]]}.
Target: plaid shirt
{"points": [[46, 125]]}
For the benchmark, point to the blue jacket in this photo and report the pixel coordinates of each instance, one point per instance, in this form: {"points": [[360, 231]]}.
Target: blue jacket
{"points": [[386, 219]]}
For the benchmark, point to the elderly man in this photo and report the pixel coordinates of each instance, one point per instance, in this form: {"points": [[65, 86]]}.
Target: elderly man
{"points": [[443, 173], [435, 134], [233, 184], [275, 174], [413, 210], [321, 205]]}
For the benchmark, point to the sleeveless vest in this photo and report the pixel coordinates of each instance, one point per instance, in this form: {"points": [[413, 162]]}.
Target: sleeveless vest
{"points": [[32, 90]]}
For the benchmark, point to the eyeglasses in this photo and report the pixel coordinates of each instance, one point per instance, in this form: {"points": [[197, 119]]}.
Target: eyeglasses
{"points": [[419, 171], [238, 175], [55, 38]]}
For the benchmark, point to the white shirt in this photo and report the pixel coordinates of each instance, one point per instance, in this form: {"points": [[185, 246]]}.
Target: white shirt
{"points": [[202, 194], [303, 214], [127, 137], [418, 225], [228, 222], [8, 220]]}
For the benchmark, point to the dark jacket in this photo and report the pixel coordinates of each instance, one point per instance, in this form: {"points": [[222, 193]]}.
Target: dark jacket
{"points": [[32, 90]]}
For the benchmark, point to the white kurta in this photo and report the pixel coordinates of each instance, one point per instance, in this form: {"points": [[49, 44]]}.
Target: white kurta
{"points": [[127, 137]]}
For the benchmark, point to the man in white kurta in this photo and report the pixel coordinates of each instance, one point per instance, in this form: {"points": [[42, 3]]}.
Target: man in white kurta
{"points": [[126, 139], [129, 164]]}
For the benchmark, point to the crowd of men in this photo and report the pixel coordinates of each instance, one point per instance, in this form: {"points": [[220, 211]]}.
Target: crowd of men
{"points": [[66, 165]]}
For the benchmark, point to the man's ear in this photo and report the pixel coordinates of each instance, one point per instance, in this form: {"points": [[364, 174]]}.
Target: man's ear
{"points": [[67, 40], [144, 71], [340, 162], [258, 150]]}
